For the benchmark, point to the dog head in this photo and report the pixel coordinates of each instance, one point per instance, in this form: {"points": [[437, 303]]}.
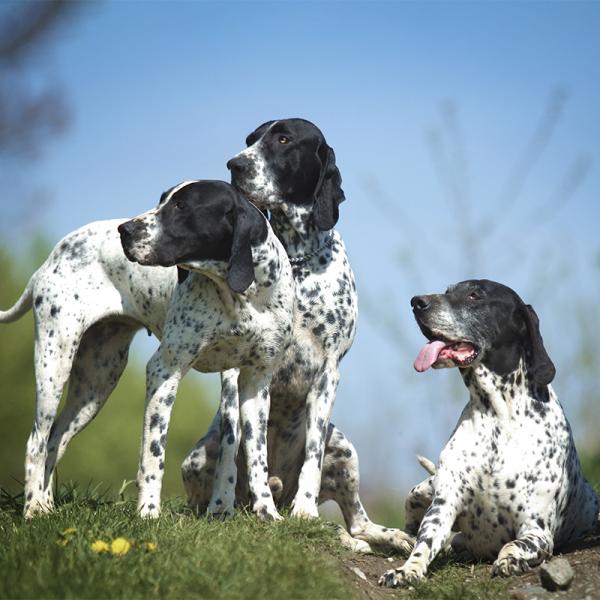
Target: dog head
{"points": [[196, 223], [289, 161], [481, 321]]}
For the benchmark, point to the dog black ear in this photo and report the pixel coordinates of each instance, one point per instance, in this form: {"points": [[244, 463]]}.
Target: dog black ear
{"points": [[541, 367], [182, 274], [257, 133], [328, 192], [240, 274]]}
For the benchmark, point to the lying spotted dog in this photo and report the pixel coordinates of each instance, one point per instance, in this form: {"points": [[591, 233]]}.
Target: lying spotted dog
{"points": [[509, 478]]}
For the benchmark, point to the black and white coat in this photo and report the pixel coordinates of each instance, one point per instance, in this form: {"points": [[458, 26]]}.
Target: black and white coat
{"points": [[234, 310], [289, 170], [509, 478], [88, 302]]}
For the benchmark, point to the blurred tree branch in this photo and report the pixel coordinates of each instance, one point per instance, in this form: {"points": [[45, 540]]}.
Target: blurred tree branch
{"points": [[32, 104], [29, 112], [478, 231]]}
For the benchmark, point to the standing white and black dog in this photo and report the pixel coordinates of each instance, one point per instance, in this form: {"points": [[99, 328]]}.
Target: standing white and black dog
{"points": [[289, 169], [233, 310], [88, 302], [509, 478]]}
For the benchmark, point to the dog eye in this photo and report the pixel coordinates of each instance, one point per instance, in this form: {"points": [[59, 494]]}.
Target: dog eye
{"points": [[179, 204], [474, 296], [283, 139]]}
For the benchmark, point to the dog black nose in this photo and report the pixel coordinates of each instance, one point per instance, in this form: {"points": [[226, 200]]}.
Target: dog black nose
{"points": [[420, 303], [239, 165], [126, 229]]}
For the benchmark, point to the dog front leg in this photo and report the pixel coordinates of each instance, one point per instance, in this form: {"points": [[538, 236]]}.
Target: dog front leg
{"points": [[434, 531], [319, 404], [253, 386], [222, 500], [162, 382]]}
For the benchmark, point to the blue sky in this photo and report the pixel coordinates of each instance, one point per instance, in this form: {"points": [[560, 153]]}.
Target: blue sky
{"points": [[161, 92]]}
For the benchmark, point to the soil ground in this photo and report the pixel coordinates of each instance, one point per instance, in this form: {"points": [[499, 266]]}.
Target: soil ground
{"points": [[450, 579]]}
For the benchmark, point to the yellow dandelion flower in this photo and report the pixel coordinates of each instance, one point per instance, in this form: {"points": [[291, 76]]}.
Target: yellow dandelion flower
{"points": [[150, 546], [69, 531], [100, 546], [120, 546]]}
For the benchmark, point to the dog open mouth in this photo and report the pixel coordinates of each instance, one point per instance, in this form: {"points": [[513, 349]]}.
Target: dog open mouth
{"points": [[439, 354]]}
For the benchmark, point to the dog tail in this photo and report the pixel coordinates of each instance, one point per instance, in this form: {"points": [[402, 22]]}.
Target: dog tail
{"points": [[426, 464], [21, 306], [276, 486]]}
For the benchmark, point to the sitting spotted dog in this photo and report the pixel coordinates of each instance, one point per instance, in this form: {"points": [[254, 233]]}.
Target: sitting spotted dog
{"points": [[234, 309], [289, 169], [509, 478]]}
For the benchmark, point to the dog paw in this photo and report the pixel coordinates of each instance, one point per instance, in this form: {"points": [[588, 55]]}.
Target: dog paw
{"points": [[149, 511], [402, 542], [198, 505], [304, 514], [354, 544], [509, 565], [305, 510], [266, 513], [37, 508], [222, 512], [402, 576]]}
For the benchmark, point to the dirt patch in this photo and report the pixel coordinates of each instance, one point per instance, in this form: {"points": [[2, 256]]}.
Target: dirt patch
{"points": [[585, 560], [452, 579], [372, 567]]}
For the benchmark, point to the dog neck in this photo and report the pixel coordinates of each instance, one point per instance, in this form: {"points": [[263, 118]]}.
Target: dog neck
{"points": [[266, 270], [295, 227], [508, 396]]}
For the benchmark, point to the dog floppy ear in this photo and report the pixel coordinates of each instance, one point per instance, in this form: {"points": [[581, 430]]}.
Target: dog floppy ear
{"points": [[257, 133], [328, 193], [240, 274], [541, 367]]}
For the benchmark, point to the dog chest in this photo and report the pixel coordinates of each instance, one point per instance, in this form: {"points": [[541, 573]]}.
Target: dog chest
{"points": [[506, 473]]}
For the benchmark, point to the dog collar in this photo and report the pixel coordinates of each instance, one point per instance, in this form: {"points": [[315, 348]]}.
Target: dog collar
{"points": [[296, 260]]}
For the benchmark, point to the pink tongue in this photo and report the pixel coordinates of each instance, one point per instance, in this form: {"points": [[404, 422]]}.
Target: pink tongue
{"points": [[428, 355]]}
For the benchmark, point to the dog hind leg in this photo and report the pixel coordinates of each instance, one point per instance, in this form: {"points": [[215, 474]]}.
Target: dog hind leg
{"points": [[221, 504], [53, 357], [417, 503], [198, 469], [532, 546], [340, 482], [99, 363]]}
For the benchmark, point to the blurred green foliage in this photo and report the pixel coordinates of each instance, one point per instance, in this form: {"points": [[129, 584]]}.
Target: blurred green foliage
{"points": [[590, 463], [107, 450]]}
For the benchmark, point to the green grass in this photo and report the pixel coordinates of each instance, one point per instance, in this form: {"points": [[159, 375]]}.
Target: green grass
{"points": [[242, 558], [194, 557]]}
